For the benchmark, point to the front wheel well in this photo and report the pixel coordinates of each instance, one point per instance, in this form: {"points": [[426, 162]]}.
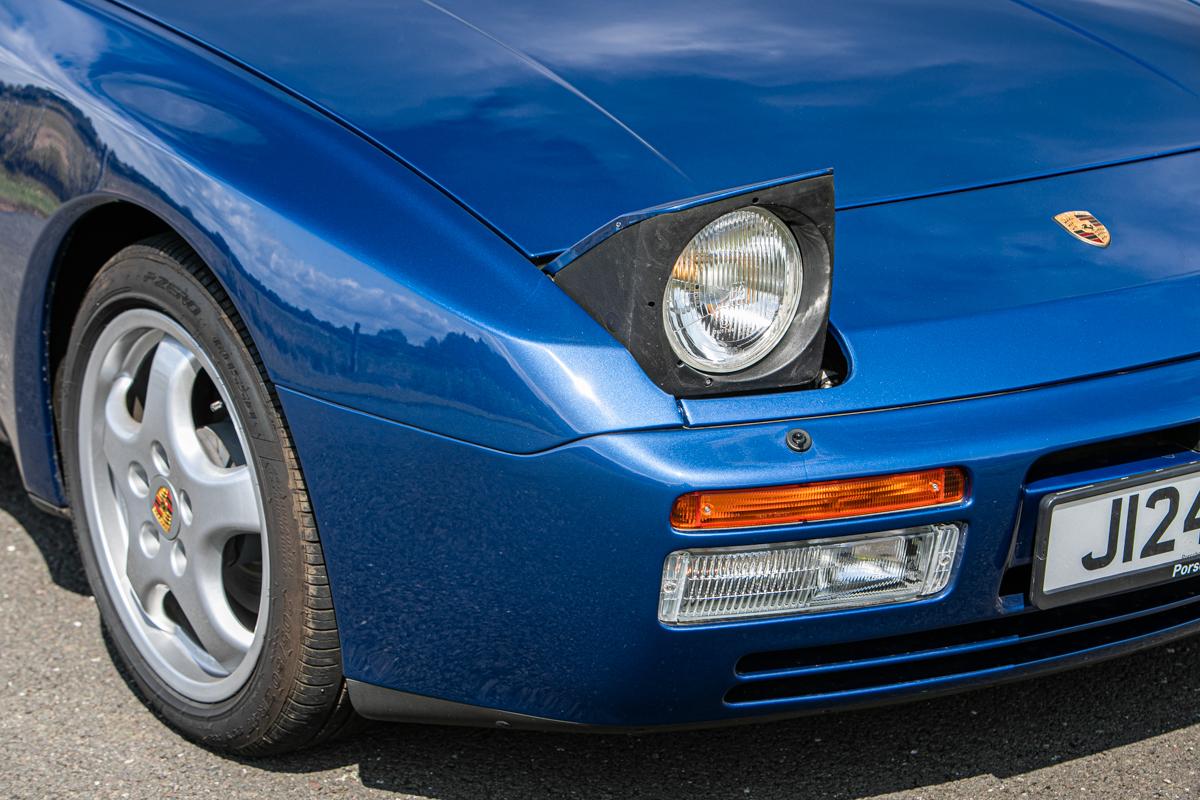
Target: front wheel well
{"points": [[90, 242]]}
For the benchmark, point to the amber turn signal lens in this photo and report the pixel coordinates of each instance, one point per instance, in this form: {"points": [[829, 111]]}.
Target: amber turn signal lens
{"points": [[810, 502]]}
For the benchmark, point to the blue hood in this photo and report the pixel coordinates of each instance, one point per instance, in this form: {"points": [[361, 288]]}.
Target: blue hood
{"points": [[548, 119]]}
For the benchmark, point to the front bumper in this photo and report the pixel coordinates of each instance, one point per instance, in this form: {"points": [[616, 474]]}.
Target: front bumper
{"points": [[528, 584]]}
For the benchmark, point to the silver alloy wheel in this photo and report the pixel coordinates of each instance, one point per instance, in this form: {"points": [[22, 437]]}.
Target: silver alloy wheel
{"points": [[173, 505]]}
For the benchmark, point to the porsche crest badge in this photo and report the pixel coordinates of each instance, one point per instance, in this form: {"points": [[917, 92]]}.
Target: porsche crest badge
{"points": [[1084, 227], [163, 509]]}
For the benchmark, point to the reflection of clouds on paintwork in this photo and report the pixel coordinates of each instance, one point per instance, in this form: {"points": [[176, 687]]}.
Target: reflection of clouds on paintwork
{"points": [[899, 99], [67, 68], [22, 45], [563, 83], [729, 42], [742, 41], [244, 226], [341, 301], [609, 43], [345, 301], [736, 42], [1180, 12], [175, 109]]}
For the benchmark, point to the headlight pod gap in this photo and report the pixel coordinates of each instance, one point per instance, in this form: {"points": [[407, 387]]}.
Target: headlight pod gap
{"points": [[724, 294]]}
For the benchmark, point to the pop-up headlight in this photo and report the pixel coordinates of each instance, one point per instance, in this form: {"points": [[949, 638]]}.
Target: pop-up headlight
{"points": [[717, 294]]}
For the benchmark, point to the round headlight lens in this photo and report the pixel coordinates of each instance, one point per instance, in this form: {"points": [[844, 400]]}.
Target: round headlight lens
{"points": [[733, 291]]}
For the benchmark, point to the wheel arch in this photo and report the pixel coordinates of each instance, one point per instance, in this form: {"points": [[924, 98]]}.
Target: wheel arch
{"points": [[75, 244]]}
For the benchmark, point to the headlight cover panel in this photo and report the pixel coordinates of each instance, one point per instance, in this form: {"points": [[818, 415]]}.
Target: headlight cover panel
{"points": [[621, 278]]}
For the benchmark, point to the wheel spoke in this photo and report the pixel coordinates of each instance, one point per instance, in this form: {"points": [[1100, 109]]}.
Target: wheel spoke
{"points": [[145, 573], [201, 596], [223, 503], [168, 409]]}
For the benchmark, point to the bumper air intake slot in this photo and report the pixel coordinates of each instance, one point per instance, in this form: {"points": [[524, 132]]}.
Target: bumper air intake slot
{"points": [[1013, 641]]}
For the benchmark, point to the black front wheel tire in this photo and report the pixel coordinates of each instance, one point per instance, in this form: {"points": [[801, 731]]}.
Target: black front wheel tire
{"points": [[191, 511]]}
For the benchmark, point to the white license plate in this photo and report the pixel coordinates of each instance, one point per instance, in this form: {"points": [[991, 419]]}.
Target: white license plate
{"points": [[1117, 536]]}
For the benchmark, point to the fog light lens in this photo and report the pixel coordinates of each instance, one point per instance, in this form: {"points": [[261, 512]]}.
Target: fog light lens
{"points": [[708, 585]]}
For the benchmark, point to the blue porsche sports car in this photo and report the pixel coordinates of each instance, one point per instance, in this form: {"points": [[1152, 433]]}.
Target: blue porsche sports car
{"points": [[487, 363]]}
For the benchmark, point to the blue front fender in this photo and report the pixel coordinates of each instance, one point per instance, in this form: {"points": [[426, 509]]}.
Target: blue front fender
{"points": [[358, 280]]}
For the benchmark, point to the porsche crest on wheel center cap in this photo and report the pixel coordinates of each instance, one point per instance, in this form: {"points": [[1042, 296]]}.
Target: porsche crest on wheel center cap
{"points": [[164, 509], [1084, 226]]}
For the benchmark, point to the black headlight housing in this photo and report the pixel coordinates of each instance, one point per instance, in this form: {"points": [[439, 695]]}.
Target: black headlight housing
{"points": [[619, 275]]}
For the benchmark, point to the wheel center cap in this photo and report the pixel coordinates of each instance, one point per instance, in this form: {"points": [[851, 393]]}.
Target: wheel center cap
{"points": [[164, 508]]}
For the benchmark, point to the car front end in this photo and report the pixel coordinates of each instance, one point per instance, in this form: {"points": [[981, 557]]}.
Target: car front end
{"points": [[609, 367], [875, 533]]}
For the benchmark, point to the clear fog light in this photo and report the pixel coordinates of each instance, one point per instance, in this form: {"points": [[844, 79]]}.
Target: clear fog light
{"points": [[708, 585]]}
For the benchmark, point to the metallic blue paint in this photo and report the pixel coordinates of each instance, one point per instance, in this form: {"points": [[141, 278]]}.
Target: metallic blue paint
{"points": [[502, 537], [359, 281], [980, 291], [530, 583], [551, 120]]}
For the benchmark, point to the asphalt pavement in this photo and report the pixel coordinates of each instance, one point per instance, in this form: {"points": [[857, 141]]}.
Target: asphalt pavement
{"points": [[71, 727]]}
